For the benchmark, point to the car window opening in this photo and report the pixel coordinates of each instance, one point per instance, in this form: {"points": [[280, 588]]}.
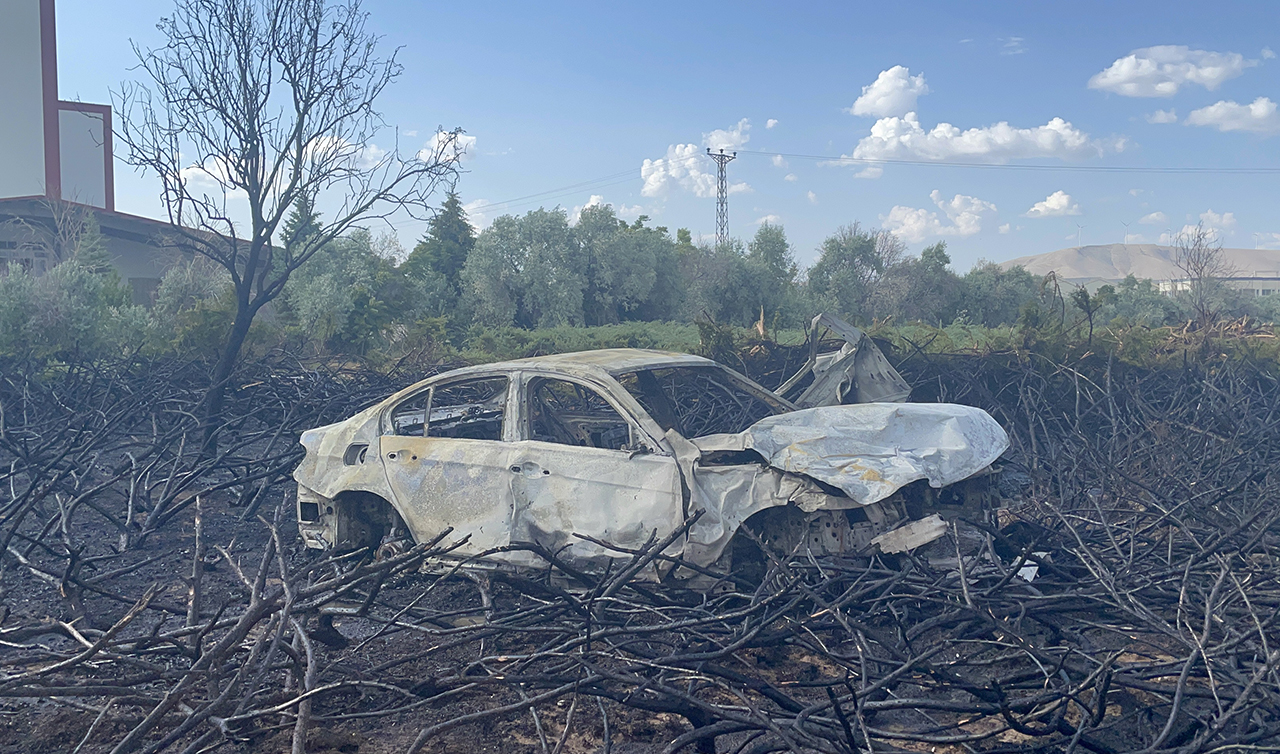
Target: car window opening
{"points": [[471, 410], [571, 414], [698, 401]]}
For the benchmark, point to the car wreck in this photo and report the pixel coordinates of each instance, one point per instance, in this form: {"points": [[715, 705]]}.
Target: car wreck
{"points": [[589, 455]]}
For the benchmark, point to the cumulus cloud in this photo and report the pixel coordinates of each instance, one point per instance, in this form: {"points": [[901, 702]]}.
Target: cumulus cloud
{"points": [[1004, 229], [1163, 116], [894, 92], [444, 144], [1134, 238], [575, 214], [730, 139], [963, 218], [1258, 116], [768, 124], [771, 219], [1057, 204], [778, 162], [687, 167], [813, 198], [1155, 218], [477, 214], [790, 177], [1216, 227], [904, 137], [1160, 71], [1268, 240], [871, 171]]}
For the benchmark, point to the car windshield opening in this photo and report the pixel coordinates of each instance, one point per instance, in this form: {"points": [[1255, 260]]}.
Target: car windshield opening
{"points": [[699, 401]]}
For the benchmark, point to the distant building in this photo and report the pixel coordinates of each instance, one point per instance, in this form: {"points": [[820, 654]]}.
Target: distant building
{"points": [[53, 151], [1260, 283], [1102, 264]]}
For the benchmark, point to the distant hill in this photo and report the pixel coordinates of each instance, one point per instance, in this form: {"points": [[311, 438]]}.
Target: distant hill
{"points": [[1112, 262]]}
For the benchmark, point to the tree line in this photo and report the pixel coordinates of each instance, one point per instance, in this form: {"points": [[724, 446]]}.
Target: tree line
{"points": [[361, 294]]}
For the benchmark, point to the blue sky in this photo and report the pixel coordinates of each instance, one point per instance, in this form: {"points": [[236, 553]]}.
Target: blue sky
{"points": [[580, 95]]}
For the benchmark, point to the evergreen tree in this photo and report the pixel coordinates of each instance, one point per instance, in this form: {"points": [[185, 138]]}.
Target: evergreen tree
{"points": [[444, 248], [302, 223]]}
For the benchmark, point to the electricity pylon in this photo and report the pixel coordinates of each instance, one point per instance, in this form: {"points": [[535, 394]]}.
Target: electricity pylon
{"points": [[722, 195]]}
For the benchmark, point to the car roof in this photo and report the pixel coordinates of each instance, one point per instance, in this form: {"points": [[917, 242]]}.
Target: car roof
{"points": [[612, 360]]}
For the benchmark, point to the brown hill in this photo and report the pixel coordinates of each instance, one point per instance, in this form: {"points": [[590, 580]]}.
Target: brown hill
{"points": [[1115, 261]]}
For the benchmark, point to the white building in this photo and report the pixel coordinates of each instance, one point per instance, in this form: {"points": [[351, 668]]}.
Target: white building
{"points": [[53, 150]]}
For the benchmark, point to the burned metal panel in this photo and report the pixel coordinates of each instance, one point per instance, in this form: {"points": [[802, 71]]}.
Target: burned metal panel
{"points": [[562, 490], [439, 482], [857, 373], [871, 450]]}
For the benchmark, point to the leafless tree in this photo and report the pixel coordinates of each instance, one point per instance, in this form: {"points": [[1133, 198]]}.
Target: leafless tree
{"points": [[1198, 254], [253, 106]]}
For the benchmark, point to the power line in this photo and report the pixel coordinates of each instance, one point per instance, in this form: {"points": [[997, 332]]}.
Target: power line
{"points": [[626, 176], [1018, 166]]}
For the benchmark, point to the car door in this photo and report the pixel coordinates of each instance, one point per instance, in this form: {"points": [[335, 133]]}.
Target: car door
{"points": [[582, 465], [447, 459]]}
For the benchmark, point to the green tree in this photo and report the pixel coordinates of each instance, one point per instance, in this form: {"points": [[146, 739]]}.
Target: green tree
{"points": [[527, 271], [771, 271], [851, 262], [444, 248], [992, 296]]}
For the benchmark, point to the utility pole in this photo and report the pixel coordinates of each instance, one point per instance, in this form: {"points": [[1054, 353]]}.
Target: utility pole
{"points": [[722, 195]]}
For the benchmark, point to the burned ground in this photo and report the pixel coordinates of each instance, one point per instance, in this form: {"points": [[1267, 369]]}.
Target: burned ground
{"points": [[155, 598]]}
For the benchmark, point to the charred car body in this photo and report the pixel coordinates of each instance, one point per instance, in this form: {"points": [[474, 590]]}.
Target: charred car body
{"points": [[580, 452]]}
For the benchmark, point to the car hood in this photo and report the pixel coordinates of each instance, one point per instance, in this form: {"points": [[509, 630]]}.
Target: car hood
{"points": [[870, 450]]}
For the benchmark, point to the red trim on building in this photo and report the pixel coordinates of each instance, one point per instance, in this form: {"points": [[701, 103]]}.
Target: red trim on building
{"points": [[49, 87], [108, 167]]}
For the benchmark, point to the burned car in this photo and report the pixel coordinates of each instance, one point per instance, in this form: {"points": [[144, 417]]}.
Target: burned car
{"points": [[589, 454]]}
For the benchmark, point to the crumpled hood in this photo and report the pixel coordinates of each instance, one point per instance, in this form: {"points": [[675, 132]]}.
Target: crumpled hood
{"points": [[870, 450]]}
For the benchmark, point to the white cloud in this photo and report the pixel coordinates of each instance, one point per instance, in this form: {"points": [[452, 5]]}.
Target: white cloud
{"points": [[771, 219], [476, 214], [813, 198], [778, 162], [871, 171], [1057, 204], [1135, 238], [1004, 229], [630, 212], [1258, 117], [1012, 46], [443, 144], [1135, 192], [1163, 116], [1226, 221], [575, 214], [791, 177], [686, 166], [1216, 226], [1267, 54], [768, 124], [1155, 218], [915, 225], [1267, 240], [904, 138], [894, 92], [1160, 71], [730, 139]]}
